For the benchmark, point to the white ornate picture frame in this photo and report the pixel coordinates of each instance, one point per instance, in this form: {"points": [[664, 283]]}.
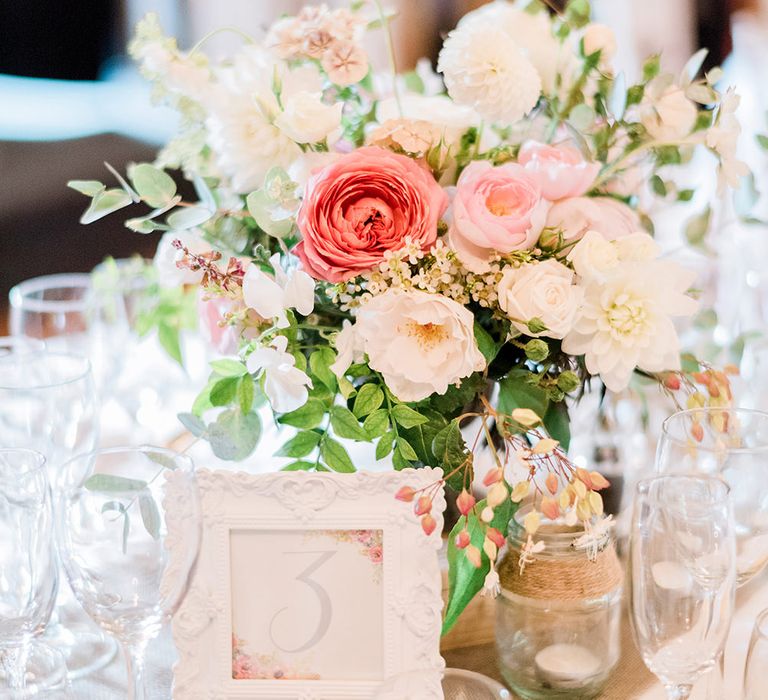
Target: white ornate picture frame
{"points": [[337, 518]]}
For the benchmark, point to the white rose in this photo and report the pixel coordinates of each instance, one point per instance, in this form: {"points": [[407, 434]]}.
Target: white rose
{"points": [[666, 112], [421, 343], [594, 256], [542, 290], [600, 37], [577, 215], [637, 247], [307, 119], [167, 257]]}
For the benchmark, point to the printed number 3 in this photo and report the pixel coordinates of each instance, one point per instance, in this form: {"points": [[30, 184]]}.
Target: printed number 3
{"points": [[323, 599]]}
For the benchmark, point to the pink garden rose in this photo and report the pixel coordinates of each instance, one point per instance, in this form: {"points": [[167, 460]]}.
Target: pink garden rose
{"points": [[495, 210], [362, 205], [562, 170], [608, 216]]}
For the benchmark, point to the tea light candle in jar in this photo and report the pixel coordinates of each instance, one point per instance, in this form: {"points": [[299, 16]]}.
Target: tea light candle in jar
{"points": [[567, 663]]}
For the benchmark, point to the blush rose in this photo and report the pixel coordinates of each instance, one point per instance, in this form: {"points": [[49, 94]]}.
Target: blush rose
{"points": [[562, 170]]}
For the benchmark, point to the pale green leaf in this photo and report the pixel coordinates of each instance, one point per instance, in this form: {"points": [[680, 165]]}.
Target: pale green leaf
{"points": [[105, 203]]}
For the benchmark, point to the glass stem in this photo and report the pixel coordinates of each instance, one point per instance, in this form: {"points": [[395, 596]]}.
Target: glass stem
{"points": [[679, 692], [13, 662], [135, 667], [715, 679]]}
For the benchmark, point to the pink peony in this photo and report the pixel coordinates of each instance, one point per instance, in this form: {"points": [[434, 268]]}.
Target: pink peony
{"points": [[362, 205], [376, 554], [495, 210], [608, 216], [562, 171]]}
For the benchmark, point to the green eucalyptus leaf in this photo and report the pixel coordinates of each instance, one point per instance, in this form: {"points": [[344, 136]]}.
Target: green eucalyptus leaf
{"points": [[90, 188], [105, 203], [111, 483], [260, 208], [150, 515], [234, 435], [123, 183], [188, 217], [192, 423], [153, 185], [164, 460]]}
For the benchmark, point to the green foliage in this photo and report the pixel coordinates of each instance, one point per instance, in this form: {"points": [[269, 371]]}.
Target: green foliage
{"points": [[422, 436], [578, 13], [103, 203], [376, 423], [464, 580], [517, 391], [369, 398], [485, 342], [536, 350], [320, 362], [346, 425], [300, 445], [335, 455], [309, 416], [111, 483], [152, 184], [234, 435], [229, 368], [406, 416], [558, 424], [150, 515], [451, 454], [697, 228], [192, 423]]}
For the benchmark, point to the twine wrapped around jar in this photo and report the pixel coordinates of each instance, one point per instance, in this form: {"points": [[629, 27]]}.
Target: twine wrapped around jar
{"points": [[561, 575]]}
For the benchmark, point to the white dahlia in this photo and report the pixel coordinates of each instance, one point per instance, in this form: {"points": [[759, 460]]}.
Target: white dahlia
{"points": [[624, 321], [246, 144], [484, 69], [532, 33]]}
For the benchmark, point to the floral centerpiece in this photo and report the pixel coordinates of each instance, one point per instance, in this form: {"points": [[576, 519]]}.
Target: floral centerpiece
{"points": [[431, 265]]}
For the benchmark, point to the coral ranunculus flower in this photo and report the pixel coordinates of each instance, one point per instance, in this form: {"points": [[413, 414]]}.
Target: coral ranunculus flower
{"points": [[363, 205]]}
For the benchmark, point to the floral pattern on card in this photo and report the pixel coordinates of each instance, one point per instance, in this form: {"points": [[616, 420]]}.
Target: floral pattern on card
{"points": [[370, 542], [247, 666]]}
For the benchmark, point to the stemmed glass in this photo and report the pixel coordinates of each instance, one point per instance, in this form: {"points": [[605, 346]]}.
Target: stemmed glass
{"points": [[128, 526], [48, 403], [71, 315], [731, 443], [682, 558], [757, 660], [10, 345], [28, 573]]}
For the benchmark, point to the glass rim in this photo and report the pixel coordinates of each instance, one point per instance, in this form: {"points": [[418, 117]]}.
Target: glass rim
{"points": [[710, 410], [37, 456], [85, 370], [19, 295], [118, 449], [643, 486]]}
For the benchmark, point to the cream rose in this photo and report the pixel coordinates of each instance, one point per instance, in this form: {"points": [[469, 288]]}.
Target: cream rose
{"points": [[421, 343], [542, 290], [307, 119], [574, 217], [600, 37], [594, 256]]}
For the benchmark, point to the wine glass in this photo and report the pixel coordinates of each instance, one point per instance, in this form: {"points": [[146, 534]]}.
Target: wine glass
{"points": [[28, 570], [682, 559], [48, 403], [10, 345], [128, 526], [731, 443], [757, 660], [71, 315]]}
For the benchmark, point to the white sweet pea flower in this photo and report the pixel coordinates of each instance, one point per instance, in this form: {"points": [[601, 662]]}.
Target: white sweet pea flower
{"points": [[270, 296], [421, 343], [594, 256], [624, 321], [307, 119], [349, 348], [542, 290], [723, 138], [284, 384], [666, 112]]}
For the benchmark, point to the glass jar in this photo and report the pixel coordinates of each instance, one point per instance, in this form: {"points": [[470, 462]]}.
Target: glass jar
{"points": [[558, 621]]}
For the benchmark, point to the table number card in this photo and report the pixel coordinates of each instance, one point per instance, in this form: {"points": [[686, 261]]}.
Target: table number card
{"points": [[310, 586]]}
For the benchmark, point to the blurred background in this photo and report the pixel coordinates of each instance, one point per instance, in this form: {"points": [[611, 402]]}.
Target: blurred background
{"points": [[70, 98]]}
